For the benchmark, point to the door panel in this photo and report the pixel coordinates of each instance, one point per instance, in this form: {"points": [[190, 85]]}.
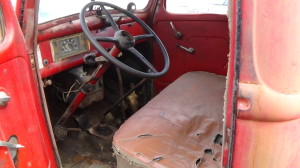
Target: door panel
{"points": [[22, 117], [211, 51], [207, 34]]}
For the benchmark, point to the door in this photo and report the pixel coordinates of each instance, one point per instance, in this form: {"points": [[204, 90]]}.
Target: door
{"points": [[195, 34], [21, 114], [264, 124]]}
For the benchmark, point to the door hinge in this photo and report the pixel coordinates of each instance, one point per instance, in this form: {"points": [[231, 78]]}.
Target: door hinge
{"points": [[32, 61]]}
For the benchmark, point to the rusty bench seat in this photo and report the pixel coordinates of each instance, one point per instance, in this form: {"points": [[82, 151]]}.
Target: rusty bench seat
{"points": [[180, 128]]}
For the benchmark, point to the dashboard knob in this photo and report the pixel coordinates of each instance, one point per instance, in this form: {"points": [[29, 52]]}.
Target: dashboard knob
{"points": [[90, 59]]}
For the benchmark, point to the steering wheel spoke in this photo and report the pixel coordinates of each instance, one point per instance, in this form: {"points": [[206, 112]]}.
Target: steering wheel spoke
{"points": [[144, 36], [106, 39], [143, 59], [124, 40], [110, 18]]}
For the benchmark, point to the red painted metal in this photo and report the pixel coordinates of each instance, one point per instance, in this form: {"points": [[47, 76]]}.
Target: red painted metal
{"points": [[18, 8], [23, 116], [54, 68], [68, 28], [206, 33], [267, 134], [229, 95], [268, 123], [26, 21]]}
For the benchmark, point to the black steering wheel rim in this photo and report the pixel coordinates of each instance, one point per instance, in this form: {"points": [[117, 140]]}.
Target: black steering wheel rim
{"points": [[154, 73]]}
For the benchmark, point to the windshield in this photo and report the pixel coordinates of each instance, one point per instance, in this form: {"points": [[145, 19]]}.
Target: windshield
{"points": [[53, 9]]}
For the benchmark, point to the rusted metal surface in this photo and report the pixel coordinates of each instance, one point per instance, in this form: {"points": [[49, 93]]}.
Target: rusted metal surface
{"points": [[28, 22], [68, 28], [267, 133], [180, 127]]}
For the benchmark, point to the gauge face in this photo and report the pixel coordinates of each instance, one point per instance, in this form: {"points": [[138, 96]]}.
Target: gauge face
{"points": [[69, 45]]}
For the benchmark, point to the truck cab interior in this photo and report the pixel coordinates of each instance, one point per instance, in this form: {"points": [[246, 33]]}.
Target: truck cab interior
{"points": [[135, 87], [149, 83], [134, 84]]}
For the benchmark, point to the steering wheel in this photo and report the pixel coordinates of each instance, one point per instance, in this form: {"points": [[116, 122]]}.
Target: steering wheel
{"points": [[123, 40]]}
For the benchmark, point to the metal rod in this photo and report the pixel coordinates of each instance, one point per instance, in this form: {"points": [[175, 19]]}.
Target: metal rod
{"points": [[125, 95], [121, 90], [71, 109]]}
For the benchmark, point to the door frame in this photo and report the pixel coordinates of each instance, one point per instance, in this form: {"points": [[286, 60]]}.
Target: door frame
{"points": [[19, 46]]}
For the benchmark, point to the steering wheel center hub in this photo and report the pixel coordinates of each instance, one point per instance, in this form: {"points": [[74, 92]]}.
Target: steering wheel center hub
{"points": [[125, 39]]}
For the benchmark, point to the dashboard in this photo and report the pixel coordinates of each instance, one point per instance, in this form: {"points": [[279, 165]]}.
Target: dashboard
{"points": [[62, 45]]}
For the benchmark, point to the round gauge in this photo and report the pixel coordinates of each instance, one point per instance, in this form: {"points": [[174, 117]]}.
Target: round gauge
{"points": [[69, 45]]}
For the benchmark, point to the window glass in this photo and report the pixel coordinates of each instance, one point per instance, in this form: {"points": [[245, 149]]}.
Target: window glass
{"points": [[197, 6], [2, 26], [53, 9]]}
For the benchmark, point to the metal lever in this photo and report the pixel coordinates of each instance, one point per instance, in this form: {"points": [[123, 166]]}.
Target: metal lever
{"points": [[178, 34], [10, 145], [4, 99], [189, 50]]}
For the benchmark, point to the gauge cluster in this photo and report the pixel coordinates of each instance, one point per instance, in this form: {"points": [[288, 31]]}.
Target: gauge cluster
{"points": [[69, 46]]}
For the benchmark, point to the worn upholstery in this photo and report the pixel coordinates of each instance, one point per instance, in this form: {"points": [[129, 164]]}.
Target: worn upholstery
{"points": [[176, 127]]}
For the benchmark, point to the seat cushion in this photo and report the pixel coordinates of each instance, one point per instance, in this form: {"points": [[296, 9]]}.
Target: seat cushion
{"points": [[180, 127]]}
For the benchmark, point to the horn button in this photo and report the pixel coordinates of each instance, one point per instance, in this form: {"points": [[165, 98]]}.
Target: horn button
{"points": [[125, 39]]}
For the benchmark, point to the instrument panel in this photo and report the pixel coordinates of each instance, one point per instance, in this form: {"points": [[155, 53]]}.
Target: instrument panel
{"points": [[69, 46], [57, 53]]}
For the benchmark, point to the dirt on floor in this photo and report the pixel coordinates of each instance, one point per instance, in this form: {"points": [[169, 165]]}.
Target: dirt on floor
{"points": [[83, 150]]}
